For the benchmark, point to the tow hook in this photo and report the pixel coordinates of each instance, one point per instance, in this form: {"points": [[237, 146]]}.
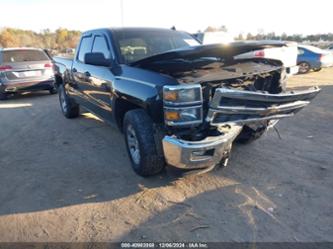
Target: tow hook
{"points": [[225, 158]]}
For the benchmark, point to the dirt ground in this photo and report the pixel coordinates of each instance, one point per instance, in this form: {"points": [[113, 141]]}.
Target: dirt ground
{"points": [[71, 180]]}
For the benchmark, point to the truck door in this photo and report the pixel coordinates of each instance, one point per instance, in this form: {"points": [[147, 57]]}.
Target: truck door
{"points": [[93, 83], [101, 78], [80, 72]]}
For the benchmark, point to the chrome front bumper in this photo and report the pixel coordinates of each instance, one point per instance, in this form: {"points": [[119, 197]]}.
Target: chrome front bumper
{"points": [[233, 108], [199, 154]]}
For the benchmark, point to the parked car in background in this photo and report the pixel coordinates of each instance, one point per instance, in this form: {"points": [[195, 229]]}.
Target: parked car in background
{"points": [[177, 102], [25, 70], [330, 48], [313, 58], [286, 54]]}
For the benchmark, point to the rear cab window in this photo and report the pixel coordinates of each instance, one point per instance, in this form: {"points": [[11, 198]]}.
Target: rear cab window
{"points": [[21, 55]]}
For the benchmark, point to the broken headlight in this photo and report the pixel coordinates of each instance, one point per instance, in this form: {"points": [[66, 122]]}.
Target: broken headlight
{"points": [[182, 94], [182, 105]]}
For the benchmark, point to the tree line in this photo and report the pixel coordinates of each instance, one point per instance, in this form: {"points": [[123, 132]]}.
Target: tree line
{"points": [[261, 35], [62, 39], [59, 40], [285, 37]]}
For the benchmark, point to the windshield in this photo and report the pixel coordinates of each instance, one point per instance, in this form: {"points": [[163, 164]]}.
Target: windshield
{"points": [[22, 55], [138, 44]]}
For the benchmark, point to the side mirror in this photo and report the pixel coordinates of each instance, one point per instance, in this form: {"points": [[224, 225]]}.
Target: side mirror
{"points": [[97, 59]]}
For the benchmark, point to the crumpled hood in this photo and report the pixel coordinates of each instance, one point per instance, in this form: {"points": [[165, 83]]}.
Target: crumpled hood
{"points": [[225, 51], [210, 63]]}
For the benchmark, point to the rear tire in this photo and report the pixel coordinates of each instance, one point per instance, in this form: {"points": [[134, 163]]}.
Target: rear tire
{"points": [[317, 69], [3, 96], [68, 106], [249, 135], [53, 91], [140, 143]]}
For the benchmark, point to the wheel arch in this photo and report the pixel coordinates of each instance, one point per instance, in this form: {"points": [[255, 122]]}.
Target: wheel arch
{"points": [[58, 80], [310, 63], [120, 106]]}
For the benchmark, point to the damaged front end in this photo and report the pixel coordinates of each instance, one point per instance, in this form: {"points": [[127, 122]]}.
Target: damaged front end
{"points": [[218, 98], [229, 111]]}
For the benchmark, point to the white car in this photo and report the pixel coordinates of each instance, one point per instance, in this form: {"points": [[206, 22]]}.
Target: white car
{"points": [[287, 54], [216, 37]]}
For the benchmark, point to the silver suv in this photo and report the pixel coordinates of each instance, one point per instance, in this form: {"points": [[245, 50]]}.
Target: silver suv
{"points": [[25, 69]]}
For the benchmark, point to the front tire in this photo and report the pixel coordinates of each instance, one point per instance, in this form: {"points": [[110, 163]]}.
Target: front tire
{"points": [[68, 107], [140, 143], [303, 67], [249, 134], [317, 69]]}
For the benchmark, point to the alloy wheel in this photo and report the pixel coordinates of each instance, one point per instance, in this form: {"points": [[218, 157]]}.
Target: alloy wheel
{"points": [[133, 144], [304, 67], [63, 101]]}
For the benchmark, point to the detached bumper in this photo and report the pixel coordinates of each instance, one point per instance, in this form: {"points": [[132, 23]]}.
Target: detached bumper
{"points": [[246, 107], [198, 154]]}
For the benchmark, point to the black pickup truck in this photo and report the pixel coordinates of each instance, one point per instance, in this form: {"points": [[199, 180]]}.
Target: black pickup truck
{"points": [[176, 101]]}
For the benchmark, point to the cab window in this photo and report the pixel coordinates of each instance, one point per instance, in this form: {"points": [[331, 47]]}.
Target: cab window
{"points": [[101, 46], [85, 47]]}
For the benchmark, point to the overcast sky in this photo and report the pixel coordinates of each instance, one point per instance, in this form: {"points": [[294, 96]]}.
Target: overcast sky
{"points": [[191, 15]]}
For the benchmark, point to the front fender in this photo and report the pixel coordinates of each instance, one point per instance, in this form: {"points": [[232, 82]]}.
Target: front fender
{"points": [[142, 88]]}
